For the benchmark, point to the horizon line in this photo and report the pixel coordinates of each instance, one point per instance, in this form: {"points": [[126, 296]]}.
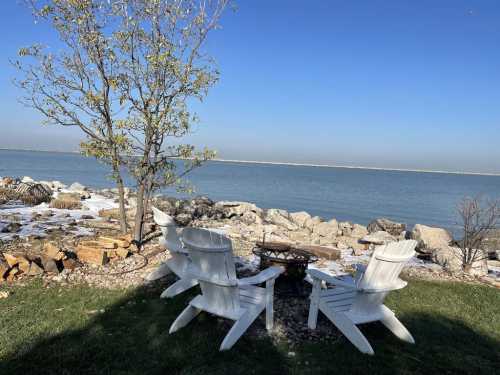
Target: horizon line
{"points": [[306, 164]]}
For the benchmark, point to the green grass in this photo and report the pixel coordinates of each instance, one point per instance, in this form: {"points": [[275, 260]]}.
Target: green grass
{"points": [[82, 330]]}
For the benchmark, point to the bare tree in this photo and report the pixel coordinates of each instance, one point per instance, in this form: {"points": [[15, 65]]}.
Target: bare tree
{"points": [[477, 219], [125, 78]]}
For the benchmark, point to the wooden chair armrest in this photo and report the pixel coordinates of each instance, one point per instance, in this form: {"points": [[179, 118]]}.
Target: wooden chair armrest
{"points": [[317, 274], [263, 276], [400, 284]]}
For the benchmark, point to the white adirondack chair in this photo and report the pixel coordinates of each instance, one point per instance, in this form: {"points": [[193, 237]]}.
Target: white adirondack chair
{"points": [[222, 294], [360, 299], [179, 261]]}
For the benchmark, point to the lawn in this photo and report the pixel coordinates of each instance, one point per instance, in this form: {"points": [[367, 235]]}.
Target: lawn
{"points": [[83, 330]]}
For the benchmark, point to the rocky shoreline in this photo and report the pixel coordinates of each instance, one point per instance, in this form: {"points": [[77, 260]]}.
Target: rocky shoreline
{"points": [[70, 214]]}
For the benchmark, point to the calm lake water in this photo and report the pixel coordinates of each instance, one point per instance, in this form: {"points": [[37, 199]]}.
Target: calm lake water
{"points": [[356, 195]]}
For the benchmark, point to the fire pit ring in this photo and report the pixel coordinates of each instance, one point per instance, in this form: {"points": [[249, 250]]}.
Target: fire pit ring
{"points": [[294, 260]]}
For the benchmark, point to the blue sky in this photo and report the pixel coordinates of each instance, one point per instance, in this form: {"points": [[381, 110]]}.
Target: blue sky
{"points": [[403, 84]]}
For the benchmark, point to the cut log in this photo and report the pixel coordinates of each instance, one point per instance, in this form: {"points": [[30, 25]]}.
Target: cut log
{"points": [[51, 250], [12, 274], [70, 263], [111, 253], [92, 255], [23, 264], [11, 259], [122, 252], [108, 245], [120, 242], [325, 252]]}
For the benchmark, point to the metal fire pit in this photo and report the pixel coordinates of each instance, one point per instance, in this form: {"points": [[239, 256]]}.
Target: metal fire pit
{"points": [[294, 260]]}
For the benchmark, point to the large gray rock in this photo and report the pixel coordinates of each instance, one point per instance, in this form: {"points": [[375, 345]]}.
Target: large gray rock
{"points": [[430, 238], [280, 218], [386, 225], [378, 238], [300, 218]]}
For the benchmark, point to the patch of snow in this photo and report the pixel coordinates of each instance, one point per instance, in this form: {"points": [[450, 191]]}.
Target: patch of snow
{"points": [[22, 214]]}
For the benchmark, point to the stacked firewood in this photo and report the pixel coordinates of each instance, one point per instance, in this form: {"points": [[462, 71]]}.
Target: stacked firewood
{"points": [[104, 249], [54, 259]]}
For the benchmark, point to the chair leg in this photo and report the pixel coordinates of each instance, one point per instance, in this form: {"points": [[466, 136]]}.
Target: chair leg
{"points": [[162, 270], [314, 306], [178, 287], [349, 329], [269, 304], [395, 326], [184, 318], [238, 329]]}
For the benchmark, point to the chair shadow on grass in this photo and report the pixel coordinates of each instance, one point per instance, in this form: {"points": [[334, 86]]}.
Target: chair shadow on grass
{"points": [[131, 337]]}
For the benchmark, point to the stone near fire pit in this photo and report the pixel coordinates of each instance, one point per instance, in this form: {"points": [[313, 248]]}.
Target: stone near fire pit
{"points": [[389, 226]]}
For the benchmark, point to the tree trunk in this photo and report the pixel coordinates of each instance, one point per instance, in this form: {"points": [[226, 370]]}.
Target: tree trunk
{"points": [[121, 197], [139, 215], [123, 213]]}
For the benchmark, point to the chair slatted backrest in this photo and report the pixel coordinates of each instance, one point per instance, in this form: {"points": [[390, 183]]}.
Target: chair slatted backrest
{"points": [[386, 264], [169, 230], [213, 266], [381, 275]]}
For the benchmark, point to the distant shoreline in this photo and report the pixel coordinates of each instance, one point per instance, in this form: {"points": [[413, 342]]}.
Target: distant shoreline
{"points": [[307, 165]]}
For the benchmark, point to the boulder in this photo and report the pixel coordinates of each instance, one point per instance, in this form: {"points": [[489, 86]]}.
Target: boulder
{"points": [[27, 179], [345, 227], [358, 231], [76, 186], [430, 238], [312, 222], [251, 218], [386, 225], [57, 185], [232, 208], [345, 242], [32, 193], [451, 259], [327, 229], [280, 218], [300, 218], [202, 200], [11, 228], [183, 219], [378, 238]]}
